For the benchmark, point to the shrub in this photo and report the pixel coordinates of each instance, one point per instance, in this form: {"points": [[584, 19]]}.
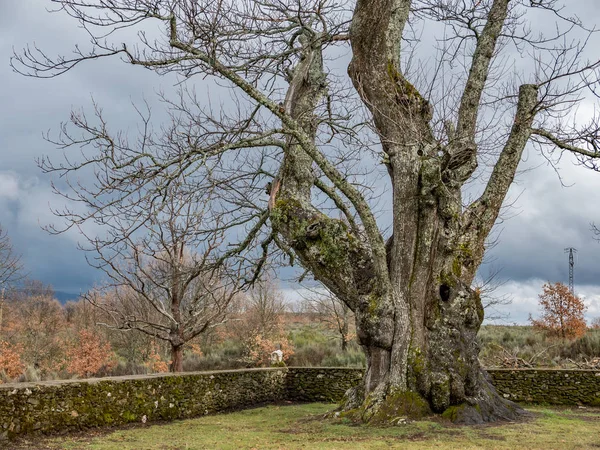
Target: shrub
{"points": [[154, 363], [353, 357], [562, 312], [587, 347], [89, 355], [124, 367], [10, 360], [258, 349]]}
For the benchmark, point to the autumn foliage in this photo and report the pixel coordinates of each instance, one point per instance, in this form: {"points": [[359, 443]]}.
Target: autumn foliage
{"points": [[42, 339], [259, 348], [10, 360], [562, 312], [154, 362], [35, 323], [89, 355]]}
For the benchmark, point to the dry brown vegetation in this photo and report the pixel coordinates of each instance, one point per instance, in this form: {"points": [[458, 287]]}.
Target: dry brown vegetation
{"points": [[42, 339]]}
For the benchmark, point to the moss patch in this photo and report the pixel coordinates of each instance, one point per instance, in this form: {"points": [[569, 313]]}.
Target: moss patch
{"points": [[320, 238], [452, 413], [400, 405]]}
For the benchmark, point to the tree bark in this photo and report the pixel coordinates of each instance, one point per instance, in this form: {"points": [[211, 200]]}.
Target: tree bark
{"points": [[344, 331], [344, 344], [442, 370], [176, 358]]}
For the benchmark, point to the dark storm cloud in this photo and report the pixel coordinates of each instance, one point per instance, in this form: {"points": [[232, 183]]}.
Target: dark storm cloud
{"points": [[31, 107], [550, 217]]}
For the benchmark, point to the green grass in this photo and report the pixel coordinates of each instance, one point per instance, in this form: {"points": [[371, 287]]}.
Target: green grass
{"points": [[303, 426]]}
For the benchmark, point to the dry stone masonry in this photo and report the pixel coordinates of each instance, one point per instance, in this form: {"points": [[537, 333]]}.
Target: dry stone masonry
{"points": [[59, 406], [68, 405], [548, 386], [313, 384]]}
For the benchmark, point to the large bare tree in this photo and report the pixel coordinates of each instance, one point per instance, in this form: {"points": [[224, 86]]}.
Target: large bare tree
{"points": [[464, 111], [163, 279]]}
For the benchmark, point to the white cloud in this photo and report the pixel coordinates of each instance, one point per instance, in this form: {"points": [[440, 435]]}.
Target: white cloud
{"points": [[524, 296], [9, 186]]}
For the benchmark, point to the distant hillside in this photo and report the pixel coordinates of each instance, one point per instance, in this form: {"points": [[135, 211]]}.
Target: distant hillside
{"points": [[64, 297]]}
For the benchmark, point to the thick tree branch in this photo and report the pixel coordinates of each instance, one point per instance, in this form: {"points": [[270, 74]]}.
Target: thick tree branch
{"points": [[464, 148], [296, 130], [479, 218]]}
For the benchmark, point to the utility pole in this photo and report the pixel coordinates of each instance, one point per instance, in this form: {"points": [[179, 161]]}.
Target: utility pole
{"points": [[571, 251]]}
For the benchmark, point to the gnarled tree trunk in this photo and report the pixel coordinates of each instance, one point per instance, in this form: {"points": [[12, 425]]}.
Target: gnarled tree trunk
{"points": [[416, 314]]}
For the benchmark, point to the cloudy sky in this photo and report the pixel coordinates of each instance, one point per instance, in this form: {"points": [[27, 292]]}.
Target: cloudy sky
{"points": [[547, 215]]}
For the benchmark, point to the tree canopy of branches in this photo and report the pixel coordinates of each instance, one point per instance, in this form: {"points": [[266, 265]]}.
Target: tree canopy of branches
{"points": [[35, 319], [562, 312], [331, 311], [165, 280], [10, 262], [263, 309], [318, 139]]}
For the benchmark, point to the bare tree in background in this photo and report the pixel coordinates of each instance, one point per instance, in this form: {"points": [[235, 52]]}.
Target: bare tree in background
{"points": [[10, 268], [496, 83], [10, 262], [333, 312], [257, 321], [165, 280], [263, 309]]}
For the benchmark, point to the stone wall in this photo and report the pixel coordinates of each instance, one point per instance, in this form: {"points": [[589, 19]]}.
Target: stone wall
{"points": [[548, 386], [70, 405], [63, 405], [542, 386], [320, 384]]}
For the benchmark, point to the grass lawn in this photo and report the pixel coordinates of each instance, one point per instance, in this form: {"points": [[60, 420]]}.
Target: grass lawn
{"points": [[303, 426]]}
